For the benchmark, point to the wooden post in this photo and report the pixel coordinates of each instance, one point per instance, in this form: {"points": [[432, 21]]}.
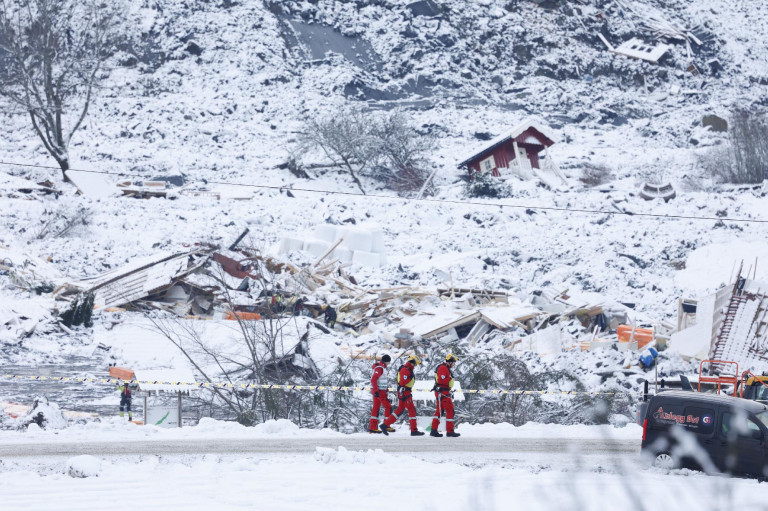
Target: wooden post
{"points": [[328, 252], [424, 186], [179, 408], [145, 409], [632, 336]]}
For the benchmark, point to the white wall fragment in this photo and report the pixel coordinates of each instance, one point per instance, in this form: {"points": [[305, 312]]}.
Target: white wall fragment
{"points": [[359, 245], [366, 258], [637, 48]]}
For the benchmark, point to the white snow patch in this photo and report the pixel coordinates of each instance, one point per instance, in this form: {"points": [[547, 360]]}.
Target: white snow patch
{"points": [[83, 466]]}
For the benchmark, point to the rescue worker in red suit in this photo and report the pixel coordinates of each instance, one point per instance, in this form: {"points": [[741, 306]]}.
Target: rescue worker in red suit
{"points": [[380, 399], [405, 381], [444, 397]]}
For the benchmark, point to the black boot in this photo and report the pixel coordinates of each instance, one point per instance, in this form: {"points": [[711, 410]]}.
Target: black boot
{"points": [[417, 433], [383, 429], [453, 434], [435, 433]]}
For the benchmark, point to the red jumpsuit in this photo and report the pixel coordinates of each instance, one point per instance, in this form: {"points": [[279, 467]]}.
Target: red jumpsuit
{"points": [[405, 381], [379, 397], [443, 385]]}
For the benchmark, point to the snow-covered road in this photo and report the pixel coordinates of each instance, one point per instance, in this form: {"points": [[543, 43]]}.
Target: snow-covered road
{"points": [[308, 445]]}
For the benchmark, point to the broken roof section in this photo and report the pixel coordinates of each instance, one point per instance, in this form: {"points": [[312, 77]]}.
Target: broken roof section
{"points": [[730, 324], [143, 277]]}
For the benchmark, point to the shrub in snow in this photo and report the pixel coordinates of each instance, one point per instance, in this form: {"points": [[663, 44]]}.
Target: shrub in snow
{"points": [[83, 466], [63, 222], [79, 311], [618, 420], [595, 174], [44, 414], [384, 146], [485, 185]]}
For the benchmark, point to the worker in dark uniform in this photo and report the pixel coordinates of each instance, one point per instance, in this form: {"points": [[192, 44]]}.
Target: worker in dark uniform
{"points": [[125, 399], [330, 316]]}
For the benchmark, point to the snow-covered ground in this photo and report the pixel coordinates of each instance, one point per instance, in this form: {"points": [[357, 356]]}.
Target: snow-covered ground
{"points": [[341, 478]]}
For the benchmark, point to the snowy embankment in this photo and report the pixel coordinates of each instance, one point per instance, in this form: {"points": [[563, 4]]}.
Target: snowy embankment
{"points": [[338, 478], [119, 429]]}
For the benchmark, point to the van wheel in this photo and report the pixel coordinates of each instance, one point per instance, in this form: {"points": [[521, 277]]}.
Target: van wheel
{"points": [[664, 460]]}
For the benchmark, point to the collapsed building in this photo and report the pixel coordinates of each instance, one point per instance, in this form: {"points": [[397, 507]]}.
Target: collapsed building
{"points": [[208, 282], [729, 325]]}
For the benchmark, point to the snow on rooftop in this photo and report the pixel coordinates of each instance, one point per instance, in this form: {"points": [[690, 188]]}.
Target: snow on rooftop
{"points": [[517, 130]]}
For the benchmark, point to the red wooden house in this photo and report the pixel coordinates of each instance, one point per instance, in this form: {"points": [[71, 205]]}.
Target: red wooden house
{"points": [[521, 151]]}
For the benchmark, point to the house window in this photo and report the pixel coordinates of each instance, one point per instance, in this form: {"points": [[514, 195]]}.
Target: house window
{"points": [[488, 164]]}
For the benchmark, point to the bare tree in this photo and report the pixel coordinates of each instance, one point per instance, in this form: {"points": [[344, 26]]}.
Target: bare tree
{"points": [[400, 143], [401, 152], [51, 54], [744, 160], [345, 139], [386, 147], [749, 140], [259, 360]]}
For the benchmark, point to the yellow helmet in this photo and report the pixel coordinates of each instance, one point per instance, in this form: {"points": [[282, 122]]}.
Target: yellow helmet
{"points": [[450, 357], [416, 360]]}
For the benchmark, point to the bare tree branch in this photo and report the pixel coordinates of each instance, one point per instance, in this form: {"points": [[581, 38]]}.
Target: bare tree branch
{"points": [[51, 55]]}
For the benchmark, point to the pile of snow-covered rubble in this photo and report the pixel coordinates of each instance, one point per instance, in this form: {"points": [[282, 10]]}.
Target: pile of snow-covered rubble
{"points": [[210, 282]]}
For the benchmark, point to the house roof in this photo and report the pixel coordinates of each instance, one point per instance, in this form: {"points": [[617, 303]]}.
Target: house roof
{"points": [[141, 277], [531, 122]]}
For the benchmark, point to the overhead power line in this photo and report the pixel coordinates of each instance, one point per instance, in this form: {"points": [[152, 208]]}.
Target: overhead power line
{"points": [[429, 200]]}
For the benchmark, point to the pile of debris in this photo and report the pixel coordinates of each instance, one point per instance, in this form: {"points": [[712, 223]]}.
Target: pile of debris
{"points": [[15, 187], [99, 185], [209, 282]]}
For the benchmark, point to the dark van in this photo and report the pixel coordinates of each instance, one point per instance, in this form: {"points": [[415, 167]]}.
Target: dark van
{"points": [[710, 432]]}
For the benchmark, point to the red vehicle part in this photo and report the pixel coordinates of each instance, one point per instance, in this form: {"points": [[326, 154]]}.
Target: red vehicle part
{"points": [[720, 380]]}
